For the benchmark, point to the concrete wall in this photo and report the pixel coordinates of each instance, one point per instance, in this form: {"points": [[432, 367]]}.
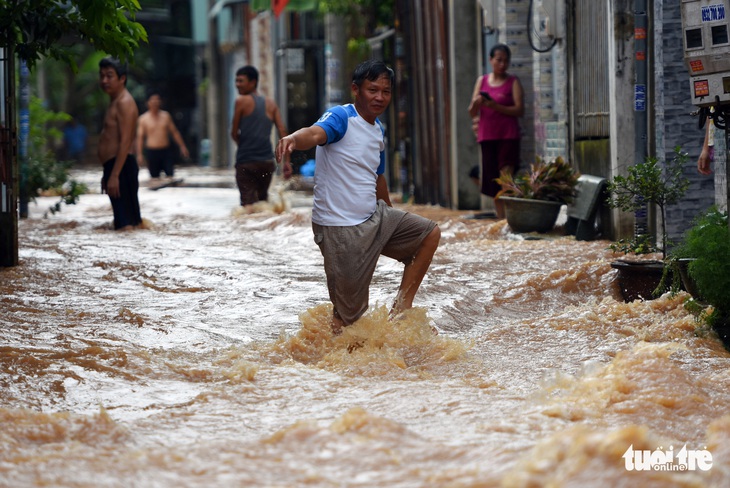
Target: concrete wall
{"points": [[464, 68], [720, 168], [622, 115]]}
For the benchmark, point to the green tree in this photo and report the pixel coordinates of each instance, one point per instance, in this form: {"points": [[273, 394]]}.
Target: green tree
{"points": [[650, 183], [31, 29], [73, 90], [45, 174], [364, 18], [372, 13], [35, 28]]}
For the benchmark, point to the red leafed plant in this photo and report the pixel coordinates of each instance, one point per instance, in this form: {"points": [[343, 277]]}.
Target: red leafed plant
{"points": [[554, 181]]}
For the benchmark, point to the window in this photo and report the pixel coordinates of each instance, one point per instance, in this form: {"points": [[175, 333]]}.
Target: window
{"points": [[719, 35], [693, 38]]}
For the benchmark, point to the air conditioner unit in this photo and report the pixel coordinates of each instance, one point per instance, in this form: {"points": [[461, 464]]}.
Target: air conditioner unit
{"points": [[706, 40], [554, 18], [490, 13]]}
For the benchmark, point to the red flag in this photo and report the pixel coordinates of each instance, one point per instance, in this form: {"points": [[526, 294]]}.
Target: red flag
{"points": [[278, 6]]}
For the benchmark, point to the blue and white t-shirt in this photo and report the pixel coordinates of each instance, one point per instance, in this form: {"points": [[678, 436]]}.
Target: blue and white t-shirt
{"points": [[347, 167]]}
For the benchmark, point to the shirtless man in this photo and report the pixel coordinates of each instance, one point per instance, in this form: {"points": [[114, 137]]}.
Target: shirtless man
{"points": [[115, 144], [253, 117], [153, 138]]}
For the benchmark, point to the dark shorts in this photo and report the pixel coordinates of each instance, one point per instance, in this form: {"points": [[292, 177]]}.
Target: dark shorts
{"points": [[126, 207], [351, 254], [253, 179], [160, 160], [496, 156]]}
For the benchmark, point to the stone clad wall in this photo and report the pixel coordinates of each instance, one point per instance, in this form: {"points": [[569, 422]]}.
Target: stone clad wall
{"points": [[675, 125], [513, 33], [551, 131], [550, 83], [719, 167]]}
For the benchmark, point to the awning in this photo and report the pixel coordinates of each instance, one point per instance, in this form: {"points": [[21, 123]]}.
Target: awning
{"points": [[261, 5], [291, 5]]}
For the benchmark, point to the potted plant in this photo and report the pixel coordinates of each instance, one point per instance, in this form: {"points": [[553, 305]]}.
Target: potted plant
{"points": [[532, 199], [647, 183], [706, 276]]}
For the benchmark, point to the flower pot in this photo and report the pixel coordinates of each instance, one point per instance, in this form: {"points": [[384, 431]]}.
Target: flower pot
{"points": [[638, 279], [721, 326], [529, 215]]}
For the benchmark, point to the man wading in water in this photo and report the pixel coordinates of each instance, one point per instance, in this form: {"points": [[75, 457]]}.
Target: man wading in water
{"points": [[352, 217], [120, 179], [154, 129]]}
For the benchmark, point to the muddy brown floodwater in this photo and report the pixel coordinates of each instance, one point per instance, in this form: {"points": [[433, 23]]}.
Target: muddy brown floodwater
{"points": [[197, 353]]}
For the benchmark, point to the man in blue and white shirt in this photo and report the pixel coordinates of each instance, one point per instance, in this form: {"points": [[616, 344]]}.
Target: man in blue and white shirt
{"points": [[352, 217]]}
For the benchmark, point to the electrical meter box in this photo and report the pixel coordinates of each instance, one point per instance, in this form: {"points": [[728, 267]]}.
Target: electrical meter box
{"points": [[707, 50]]}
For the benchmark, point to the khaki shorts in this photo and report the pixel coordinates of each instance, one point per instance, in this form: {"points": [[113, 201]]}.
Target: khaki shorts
{"points": [[351, 254]]}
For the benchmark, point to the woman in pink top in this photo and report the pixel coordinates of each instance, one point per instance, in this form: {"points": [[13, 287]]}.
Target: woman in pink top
{"points": [[498, 131]]}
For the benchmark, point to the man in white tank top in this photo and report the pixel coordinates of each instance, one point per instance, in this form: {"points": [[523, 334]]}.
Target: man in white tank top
{"points": [[253, 118]]}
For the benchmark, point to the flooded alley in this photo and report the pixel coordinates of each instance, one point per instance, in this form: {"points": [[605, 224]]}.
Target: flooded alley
{"points": [[197, 353]]}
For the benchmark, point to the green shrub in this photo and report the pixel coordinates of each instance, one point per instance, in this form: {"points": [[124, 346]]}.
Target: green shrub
{"points": [[43, 173], [640, 244], [708, 242]]}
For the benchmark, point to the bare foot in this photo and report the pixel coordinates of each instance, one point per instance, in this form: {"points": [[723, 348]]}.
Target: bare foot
{"points": [[337, 325], [396, 312]]}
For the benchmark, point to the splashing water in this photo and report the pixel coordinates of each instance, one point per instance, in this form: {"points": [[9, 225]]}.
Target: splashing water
{"points": [[198, 352]]}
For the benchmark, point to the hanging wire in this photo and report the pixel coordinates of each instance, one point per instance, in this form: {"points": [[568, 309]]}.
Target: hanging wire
{"points": [[531, 31]]}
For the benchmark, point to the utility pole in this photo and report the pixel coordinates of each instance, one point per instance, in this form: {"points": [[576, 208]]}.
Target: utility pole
{"points": [[727, 168], [334, 58], [23, 136], [641, 219], [213, 112], [8, 163], [464, 54]]}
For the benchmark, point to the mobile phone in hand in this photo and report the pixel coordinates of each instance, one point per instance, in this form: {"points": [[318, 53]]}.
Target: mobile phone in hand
{"points": [[485, 95]]}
